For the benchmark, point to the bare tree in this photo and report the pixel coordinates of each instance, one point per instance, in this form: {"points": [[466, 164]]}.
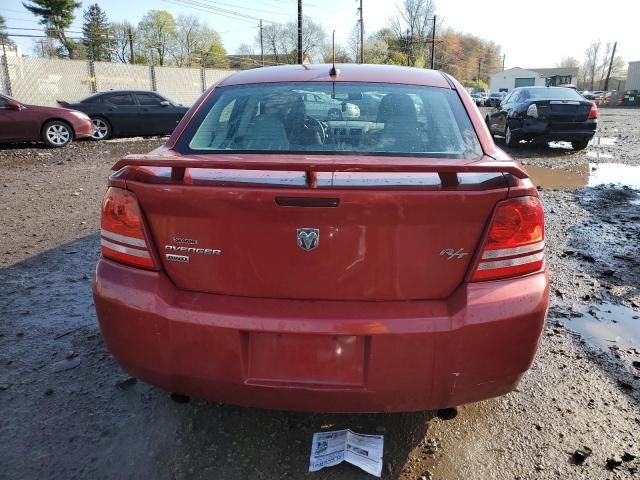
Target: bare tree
{"points": [[273, 40], [590, 67], [568, 62], [120, 41], [45, 47], [353, 42], [281, 41], [412, 28], [188, 31]]}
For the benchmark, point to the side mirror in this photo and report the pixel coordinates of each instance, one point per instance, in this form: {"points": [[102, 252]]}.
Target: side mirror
{"points": [[165, 103]]}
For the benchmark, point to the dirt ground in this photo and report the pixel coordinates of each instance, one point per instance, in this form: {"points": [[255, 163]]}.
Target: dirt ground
{"points": [[68, 411]]}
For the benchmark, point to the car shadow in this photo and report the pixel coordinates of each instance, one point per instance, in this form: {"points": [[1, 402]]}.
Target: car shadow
{"points": [[71, 403]]}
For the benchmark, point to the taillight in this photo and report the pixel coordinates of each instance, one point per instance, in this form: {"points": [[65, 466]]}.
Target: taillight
{"points": [[515, 242], [593, 113], [121, 228]]}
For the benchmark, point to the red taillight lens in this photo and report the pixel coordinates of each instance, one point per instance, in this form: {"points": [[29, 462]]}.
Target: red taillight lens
{"points": [[515, 242], [593, 113], [122, 231]]}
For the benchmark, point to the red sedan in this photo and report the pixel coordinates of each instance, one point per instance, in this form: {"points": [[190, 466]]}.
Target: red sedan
{"points": [[54, 126], [285, 250]]}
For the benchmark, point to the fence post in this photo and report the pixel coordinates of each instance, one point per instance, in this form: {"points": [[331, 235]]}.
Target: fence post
{"points": [[152, 72], [5, 72], [92, 76], [203, 79]]}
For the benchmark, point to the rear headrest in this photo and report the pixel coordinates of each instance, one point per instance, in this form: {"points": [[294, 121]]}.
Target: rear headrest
{"points": [[397, 107]]}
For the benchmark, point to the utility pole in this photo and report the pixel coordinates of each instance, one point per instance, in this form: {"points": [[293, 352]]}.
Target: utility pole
{"points": [[361, 35], [300, 32], [261, 46], [433, 44], [479, 63], [613, 54], [504, 55], [133, 55]]}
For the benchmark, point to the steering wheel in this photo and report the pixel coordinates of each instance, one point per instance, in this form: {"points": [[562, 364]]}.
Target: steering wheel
{"points": [[314, 125]]}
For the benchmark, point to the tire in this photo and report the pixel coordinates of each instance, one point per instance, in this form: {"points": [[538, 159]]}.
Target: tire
{"points": [[103, 128], [580, 144], [509, 139], [57, 133]]}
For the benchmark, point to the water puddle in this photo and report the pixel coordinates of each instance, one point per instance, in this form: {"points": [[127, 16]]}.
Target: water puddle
{"points": [[606, 325], [616, 173], [600, 141], [599, 155], [586, 175]]}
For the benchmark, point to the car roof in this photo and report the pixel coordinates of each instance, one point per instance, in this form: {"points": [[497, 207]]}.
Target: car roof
{"points": [[348, 72], [108, 92]]}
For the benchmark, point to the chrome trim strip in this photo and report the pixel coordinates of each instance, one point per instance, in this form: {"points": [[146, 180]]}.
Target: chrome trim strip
{"points": [[122, 249], [509, 252], [512, 262], [123, 238]]}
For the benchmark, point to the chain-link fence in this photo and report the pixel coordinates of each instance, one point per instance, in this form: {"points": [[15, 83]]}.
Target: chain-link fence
{"points": [[43, 81]]}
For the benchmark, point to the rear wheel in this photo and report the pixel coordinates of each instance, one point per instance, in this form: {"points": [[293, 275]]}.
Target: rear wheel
{"points": [[102, 128], [580, 144], [57, 133]]}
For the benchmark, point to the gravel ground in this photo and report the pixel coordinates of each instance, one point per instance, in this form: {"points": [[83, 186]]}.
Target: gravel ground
{"points": [[68, 411]]}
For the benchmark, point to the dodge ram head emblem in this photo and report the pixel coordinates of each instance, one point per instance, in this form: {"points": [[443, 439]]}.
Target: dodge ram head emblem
{"points": [[308, 238]]}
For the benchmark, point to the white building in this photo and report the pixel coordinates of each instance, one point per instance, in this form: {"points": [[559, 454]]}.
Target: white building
{"points": [[507, 80]]}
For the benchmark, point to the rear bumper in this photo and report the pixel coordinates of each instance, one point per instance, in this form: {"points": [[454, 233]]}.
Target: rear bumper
{"points": [[546, 131], [325, 356]]}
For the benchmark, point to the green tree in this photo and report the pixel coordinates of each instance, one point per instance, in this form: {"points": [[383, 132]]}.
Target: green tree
{"points": [[211, 50], [56, 16], [95, 33], [157, 30]]}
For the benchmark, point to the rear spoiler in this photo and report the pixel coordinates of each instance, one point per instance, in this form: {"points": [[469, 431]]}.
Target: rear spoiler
{"points": [[324, 164]]}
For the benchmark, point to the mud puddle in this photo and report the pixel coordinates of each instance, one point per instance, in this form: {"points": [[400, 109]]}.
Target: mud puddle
{"points": [[606, 325], [586, 175]]}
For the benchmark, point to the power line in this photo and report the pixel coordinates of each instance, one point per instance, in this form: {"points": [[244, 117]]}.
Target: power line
{"points": [[217, 10], [251, 9]]}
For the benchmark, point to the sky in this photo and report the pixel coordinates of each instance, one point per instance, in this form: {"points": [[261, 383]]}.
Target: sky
{"points": [[531, 34]]}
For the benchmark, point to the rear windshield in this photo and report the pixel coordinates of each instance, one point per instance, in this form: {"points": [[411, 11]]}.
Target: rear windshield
{"points": [[551, 93], [366, 118]]}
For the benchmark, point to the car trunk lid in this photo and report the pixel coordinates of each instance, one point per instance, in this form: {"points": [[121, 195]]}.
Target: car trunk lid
{"points": [[332, 235], [563, 111]]}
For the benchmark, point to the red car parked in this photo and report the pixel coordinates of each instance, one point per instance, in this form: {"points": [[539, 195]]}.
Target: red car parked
{"points": [[278, 254], [54, 126]]}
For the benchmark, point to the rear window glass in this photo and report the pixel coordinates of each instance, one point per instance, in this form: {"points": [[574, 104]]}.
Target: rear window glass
{"points": [[336, 118], [551, 93]]}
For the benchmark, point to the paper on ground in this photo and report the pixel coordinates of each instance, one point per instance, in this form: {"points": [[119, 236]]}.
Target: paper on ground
{"points": [[331, 448]]}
